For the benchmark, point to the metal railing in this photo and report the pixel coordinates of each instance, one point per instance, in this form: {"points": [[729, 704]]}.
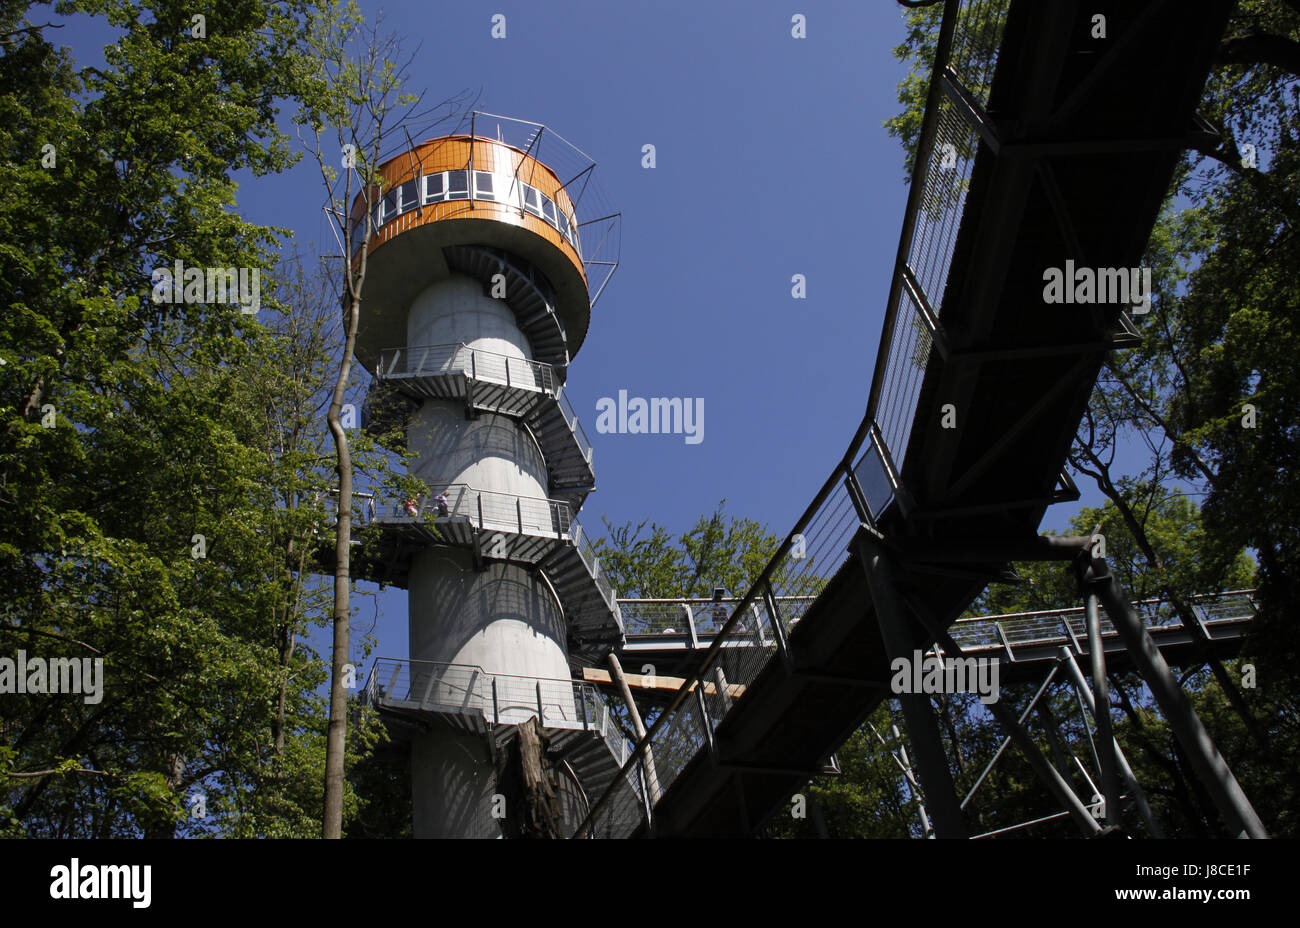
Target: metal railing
{"points": [[487, 366], [491, 511], [575, 426], [593, 227], [499, 698], [698, 616], [1048, 626], [966, 56], [588, 555], [363, 506], [487, 510]]}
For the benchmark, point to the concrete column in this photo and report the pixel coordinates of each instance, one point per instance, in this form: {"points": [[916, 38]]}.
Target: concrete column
{"points": [[504, 619]]}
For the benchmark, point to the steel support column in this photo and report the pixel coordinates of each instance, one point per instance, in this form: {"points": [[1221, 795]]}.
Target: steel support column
{"points": [[1101, 712], [922, 729], [1050, 776], [1130, 781], [1204, 757]]}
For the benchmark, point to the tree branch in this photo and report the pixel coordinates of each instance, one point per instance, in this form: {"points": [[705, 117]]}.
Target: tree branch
{"points": [[1261, 48]]}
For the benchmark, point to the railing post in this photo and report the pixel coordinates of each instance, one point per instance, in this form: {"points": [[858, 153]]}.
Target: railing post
{"points": [[858, 498], [901, 499], [690, 624], [480, 511], [778, 632], [428, 689], [704, 718], [1006, 645], [582, 704], [519, 514], [724, 694], [541, 715], [645, 796], [507, 370], [1069, 633], [496, 707]]}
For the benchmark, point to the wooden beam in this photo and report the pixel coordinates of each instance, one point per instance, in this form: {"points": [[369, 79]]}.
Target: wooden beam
{"points": [[671, 684]]}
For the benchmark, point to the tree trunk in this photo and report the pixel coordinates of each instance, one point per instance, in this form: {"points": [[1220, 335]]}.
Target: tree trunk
{"points": [[527, 782], [332, 820]]}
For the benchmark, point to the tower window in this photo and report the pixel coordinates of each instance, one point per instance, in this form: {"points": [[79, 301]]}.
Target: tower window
{"points": [[388, 207], [434, 185], [457, 185], [483, 185], [532, 200], [548, 210], [407, 197]]}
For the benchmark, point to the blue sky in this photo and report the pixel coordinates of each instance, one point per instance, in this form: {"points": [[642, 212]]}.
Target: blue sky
{"points": [[771, 161]]}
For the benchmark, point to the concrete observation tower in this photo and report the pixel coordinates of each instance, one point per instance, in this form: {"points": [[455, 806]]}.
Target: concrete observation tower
{"points": [[490, 250]]}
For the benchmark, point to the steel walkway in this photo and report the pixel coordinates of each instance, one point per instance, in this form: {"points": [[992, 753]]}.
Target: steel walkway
{"points": [[668, 634]]}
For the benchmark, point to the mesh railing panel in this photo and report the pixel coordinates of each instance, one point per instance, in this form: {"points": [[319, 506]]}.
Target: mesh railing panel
{"points": [[1048, 626], [1237, 604], [652, 618], [909, 350], [976, 44], [675, 616], [488, 366], [502, 698], [575, 426], [588, 555], [623, 812], [825, 548], [947, 181], [677, 742], [490, 511], [944, 177], [743, 665]]}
